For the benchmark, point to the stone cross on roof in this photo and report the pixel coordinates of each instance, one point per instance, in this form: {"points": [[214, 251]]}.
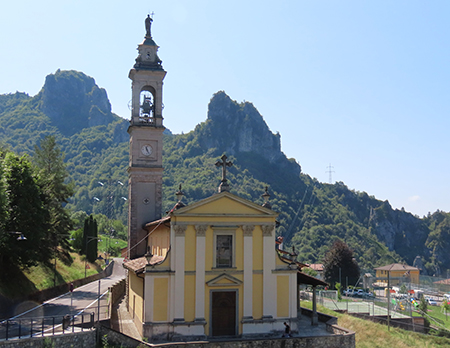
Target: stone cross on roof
{"points": [[224, 164]]}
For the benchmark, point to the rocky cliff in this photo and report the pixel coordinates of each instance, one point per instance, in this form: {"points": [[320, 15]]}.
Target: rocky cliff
{"points": [[400, 231], [73, 101], [235, 128]]}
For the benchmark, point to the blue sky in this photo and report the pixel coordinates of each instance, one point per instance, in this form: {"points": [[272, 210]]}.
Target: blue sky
{"points": [[361, 85]]}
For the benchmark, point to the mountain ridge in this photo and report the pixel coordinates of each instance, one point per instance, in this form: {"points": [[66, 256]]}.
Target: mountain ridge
{"points": [[312, 214]]}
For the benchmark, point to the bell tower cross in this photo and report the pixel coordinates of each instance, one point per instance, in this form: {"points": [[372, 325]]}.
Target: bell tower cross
{"points": [[146, 139]]}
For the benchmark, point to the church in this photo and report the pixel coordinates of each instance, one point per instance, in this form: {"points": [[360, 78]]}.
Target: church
{"points": [[209, 269]]}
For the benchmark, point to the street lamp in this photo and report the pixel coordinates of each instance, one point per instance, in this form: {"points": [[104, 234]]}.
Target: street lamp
{"points": [[112, 187], [108, 244], [148, 256]]}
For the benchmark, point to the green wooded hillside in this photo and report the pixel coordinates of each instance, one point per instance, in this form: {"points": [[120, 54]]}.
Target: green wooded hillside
{"points": [[312, 214]]}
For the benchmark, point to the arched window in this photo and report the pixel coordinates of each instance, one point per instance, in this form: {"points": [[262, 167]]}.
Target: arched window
{"points": [[146, 106]]}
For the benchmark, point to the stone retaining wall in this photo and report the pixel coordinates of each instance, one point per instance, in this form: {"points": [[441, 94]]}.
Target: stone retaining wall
{"points": [[88, 339], [343, 338], [85, 339]]}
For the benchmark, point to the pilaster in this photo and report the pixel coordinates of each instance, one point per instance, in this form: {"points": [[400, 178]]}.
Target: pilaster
{"points": [[179, 255], [148, 297], [248, 271], [200, 272], [269, 281]]}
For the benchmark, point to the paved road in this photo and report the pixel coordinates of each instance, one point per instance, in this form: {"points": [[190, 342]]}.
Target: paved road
{"points": [[82, 297], [47, 318]]}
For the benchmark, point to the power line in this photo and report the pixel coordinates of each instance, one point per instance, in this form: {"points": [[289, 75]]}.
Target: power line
{"points": [[330, 171], [288, 233]]}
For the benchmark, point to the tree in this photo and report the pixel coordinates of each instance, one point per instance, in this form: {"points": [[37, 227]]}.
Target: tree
{"points": [[403, 289], [23, 211], [446, 308], [423, 306], [339, 290], [90, 235], [339, 259], [52, 178]]}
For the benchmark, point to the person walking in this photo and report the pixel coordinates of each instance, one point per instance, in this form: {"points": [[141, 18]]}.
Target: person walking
{"points": [[287, 330]]}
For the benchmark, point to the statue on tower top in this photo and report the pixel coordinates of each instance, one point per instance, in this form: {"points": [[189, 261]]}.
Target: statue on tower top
{"points": [[148, 26]]}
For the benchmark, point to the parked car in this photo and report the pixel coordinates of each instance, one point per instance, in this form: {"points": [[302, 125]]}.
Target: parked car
{"points": [[349, 292], [360, 293], [431, 302], [370, 295]]}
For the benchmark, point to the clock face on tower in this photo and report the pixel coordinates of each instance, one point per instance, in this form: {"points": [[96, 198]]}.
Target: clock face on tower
{"points": [[147, 150]]}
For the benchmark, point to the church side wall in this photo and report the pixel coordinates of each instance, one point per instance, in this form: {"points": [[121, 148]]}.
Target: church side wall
{"points": [[159, 241], [160, 299], [136, 299]]}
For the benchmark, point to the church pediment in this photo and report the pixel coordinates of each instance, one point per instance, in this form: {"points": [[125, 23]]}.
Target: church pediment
{"points": [[224, 280], [225, 203]]}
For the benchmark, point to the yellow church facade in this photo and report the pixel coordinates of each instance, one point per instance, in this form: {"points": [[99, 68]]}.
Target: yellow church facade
{"points": [[213, 270]]}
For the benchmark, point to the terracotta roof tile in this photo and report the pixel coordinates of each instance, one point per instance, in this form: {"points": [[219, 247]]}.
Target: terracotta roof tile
{"points": [[316, 266], [397, 267], [156, 222], [138, 265], [303, 278]]}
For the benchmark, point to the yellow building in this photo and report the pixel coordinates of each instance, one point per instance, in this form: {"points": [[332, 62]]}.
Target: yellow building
{"points": [[209, 269], [398, 273], [213, 270]]}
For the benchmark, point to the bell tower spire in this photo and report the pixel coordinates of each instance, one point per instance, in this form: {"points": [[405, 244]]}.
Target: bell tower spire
{"points": [[146, 138]]}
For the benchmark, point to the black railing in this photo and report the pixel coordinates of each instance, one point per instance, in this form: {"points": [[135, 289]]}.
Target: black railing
{"points": [[48, 326]]}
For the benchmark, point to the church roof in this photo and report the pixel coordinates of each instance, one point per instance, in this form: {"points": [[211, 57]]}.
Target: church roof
{"points": [[138, 265], [248, 205], [157, 222], [303, 278]]}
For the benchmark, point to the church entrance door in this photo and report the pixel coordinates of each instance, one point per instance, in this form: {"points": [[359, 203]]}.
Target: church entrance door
{"points": [[223, 313]]}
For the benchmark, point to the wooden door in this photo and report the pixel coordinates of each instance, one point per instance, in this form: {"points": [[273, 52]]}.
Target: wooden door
{"points": [[223, 313]]}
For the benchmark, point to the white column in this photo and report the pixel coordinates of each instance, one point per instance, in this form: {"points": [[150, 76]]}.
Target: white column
{"points": [[179, 271], [148, 298], [200, 273], [248, 271], [269, 281]]}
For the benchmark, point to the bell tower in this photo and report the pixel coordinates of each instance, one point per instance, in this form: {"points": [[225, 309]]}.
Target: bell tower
{"points": [[146, 139]]}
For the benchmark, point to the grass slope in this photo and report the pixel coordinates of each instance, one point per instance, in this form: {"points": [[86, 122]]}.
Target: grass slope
{"points": [[374, 335], [42, 277]]}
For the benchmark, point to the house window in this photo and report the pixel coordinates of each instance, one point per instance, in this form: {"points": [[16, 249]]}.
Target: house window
{"points": [[224, 250]]}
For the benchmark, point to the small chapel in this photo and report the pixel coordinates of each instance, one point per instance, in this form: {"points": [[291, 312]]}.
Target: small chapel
{"points": [[210, 269]]}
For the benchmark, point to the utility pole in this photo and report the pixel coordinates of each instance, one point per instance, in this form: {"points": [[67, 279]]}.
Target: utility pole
{"points": [[330, 171]]}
